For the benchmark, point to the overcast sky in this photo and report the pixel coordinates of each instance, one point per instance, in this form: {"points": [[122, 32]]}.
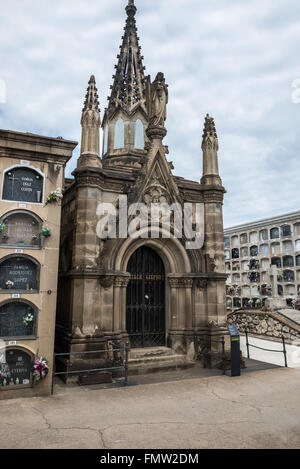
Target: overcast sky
{"points": [[236, 60]]}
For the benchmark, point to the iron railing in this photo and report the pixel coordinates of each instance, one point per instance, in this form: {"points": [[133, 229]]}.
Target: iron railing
{"points": [[264, 349], [123, 363]]}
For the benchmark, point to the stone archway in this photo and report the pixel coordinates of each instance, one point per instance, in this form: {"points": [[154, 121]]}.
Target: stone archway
{"points": [[145, 299], [179, 307]]}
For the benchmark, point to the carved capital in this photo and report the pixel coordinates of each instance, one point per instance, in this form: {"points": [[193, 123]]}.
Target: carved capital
{"points": [[201, 283], [121, 282], [106, 281]]}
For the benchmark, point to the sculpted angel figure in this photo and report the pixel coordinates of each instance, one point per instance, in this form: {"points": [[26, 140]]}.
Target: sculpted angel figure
{"points": [[157, 101]]}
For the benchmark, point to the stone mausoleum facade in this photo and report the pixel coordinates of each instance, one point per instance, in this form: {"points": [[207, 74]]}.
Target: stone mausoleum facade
{"points": [[150, 290], [60, 276]]}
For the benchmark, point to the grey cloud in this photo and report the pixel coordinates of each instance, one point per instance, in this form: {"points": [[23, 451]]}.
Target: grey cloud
{"points": [[235, 60]]}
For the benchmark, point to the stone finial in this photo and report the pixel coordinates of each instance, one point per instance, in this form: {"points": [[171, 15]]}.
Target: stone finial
{"points": [[209, 129], [131, 8], [90, 122]]}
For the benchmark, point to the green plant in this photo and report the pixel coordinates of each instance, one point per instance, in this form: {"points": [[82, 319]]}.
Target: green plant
{"points": [[51, 198], [46, 232]]}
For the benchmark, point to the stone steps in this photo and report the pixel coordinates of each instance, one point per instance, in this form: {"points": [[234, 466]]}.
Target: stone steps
{"points": [[150, 352], [155, 360]]}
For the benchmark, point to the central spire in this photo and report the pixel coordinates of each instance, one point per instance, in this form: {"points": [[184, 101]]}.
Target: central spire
{"points": [[129, 86]]}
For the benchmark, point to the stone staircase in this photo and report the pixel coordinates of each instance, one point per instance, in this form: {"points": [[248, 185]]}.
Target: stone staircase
{"points": [[155, 360]]}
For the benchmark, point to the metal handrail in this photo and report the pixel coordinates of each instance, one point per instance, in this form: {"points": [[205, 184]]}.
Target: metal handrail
{"points": [[265, 349], [124, 366]]}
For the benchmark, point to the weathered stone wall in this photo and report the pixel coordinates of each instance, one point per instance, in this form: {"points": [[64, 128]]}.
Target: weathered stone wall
{"points": [[270, 324]]}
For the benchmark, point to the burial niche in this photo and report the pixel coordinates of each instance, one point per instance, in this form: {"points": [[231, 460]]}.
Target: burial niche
{"points": [[16, 369], [17, 319], [20, 229], [23, 185], [18, 274]]}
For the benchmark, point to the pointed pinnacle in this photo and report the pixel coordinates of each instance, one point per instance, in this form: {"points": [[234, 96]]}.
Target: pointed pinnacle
{"points": [[129, 69], [209, 127], [91, 99]]}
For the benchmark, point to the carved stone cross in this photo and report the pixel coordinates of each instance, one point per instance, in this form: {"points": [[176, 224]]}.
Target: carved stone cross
{"points": [[13, 179]]}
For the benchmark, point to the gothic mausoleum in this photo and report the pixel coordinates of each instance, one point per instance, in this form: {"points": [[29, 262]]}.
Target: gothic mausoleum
{"points": [[152, 290]]}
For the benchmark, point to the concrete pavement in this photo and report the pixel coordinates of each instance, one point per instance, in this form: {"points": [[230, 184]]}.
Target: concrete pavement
{"points": [[260, 409]]}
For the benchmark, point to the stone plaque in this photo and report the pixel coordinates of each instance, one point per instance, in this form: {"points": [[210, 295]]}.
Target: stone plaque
{"points": [[23, 185], [17, 319], [17, 371], [21, 229], [18, 274]]}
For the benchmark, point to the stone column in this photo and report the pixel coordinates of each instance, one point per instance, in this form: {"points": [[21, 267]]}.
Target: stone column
{"points": [[120, 285], [181, 312]]}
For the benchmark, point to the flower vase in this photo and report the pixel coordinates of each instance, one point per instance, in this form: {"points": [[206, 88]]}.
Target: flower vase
{"points": [[42, 241]]}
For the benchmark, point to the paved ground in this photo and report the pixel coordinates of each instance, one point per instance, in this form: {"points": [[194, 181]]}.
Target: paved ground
{"points": [[260, 409]]}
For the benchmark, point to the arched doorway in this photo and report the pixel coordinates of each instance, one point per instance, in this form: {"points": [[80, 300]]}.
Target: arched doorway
{"points": [[145, 299]]}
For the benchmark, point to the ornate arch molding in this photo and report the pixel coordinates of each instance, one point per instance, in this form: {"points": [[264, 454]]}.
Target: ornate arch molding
{"points": [[173, 254], [178, 287]]}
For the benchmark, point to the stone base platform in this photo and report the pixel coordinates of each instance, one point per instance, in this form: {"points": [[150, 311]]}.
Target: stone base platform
{"points": [[155, 360]]}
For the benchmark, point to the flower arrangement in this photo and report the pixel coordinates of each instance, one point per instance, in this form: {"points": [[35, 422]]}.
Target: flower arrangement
{"points": [[28, 319], [254, 276], [9, 284], [40, 369], [2, 227], [46, 232], [266, 290], [51, 198], [54, 196], [296, 303], [251, 303], [254, 264]]}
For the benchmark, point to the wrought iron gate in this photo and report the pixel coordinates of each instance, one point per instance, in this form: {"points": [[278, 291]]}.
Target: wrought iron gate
{"points": [[145, 300]]}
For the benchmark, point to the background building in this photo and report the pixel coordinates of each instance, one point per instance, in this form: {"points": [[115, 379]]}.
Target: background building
{"points": [[31, 170], [263, 260]]}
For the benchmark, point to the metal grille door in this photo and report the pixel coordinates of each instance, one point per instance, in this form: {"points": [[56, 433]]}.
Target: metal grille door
{"points": [[145, 300]]}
